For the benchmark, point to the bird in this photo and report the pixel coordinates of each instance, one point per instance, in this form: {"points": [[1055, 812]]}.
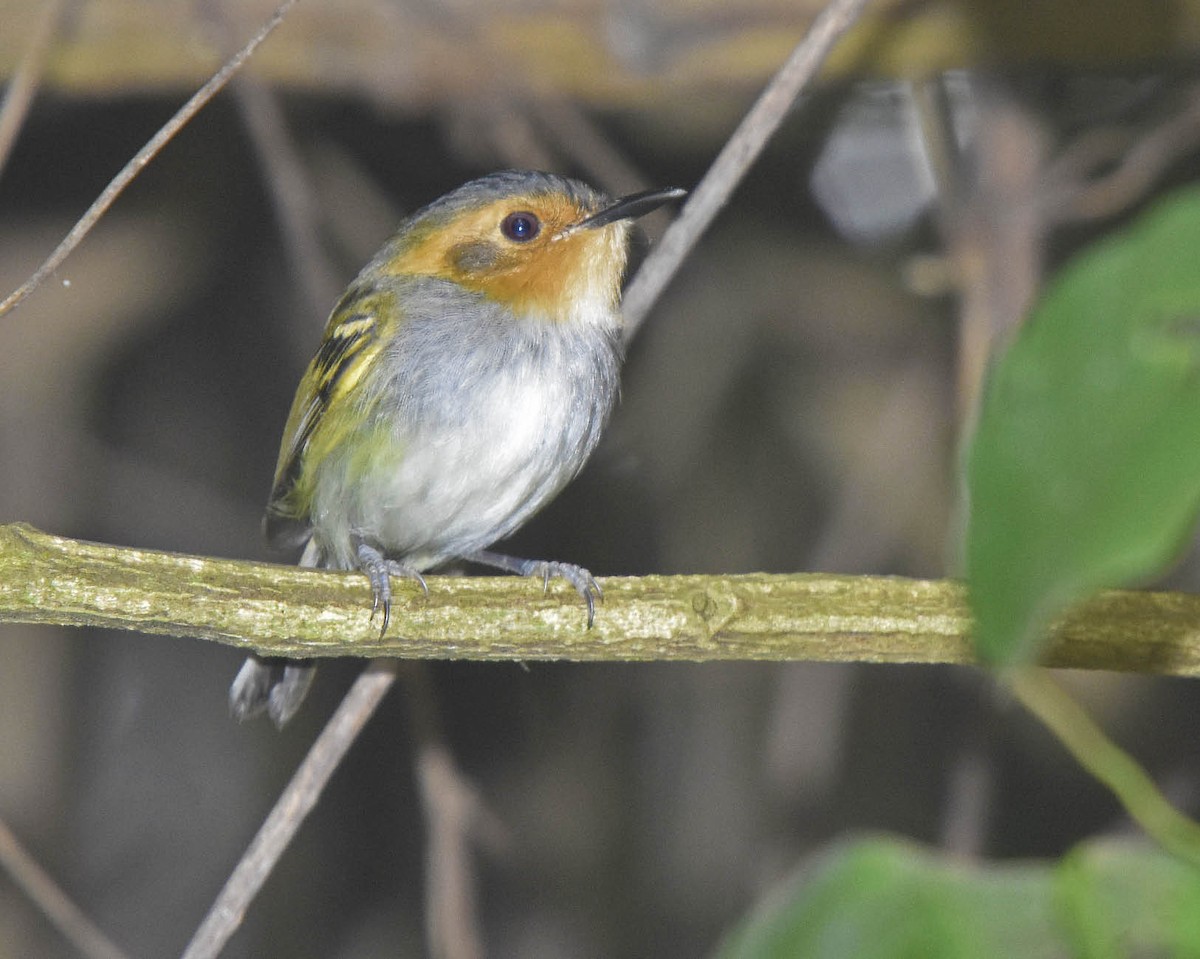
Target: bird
{"points": [[463, 379]]}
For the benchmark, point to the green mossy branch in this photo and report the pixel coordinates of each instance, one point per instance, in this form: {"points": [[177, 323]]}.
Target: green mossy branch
{"points": [[284, 610]]}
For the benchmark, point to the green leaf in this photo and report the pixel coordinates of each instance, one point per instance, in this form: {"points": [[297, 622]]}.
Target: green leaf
{"points": [[884, 898], [1118, 900], [1084, 470]]}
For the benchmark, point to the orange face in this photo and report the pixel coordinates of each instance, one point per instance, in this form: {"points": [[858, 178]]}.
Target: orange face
{"points": [[522, 251]]}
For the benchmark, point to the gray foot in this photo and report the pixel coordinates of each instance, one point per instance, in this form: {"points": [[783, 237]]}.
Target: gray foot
{"points": [[276, 686], [380, 570], [583, 581]]}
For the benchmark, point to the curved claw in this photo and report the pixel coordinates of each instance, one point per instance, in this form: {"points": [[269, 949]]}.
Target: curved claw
{"points": [[379, 570], [372, 562], [399, 569], [591, 605], [387, 617], [583, 581], [585, 584]]}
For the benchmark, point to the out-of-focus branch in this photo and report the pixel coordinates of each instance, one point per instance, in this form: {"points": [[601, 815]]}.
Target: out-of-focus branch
{"points": [[995, 231], [147, 153], [735, 158], [287, 611], [453, 809], [46, 894], [290, 810], [24, 83], [293, 197], [456, 821], [1132, 163]]}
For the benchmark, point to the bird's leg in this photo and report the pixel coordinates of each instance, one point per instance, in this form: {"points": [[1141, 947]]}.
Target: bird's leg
{"points": [[270, 683], [583, 581], [379, 570], [288, 693], [251, 689], [278, 685]]}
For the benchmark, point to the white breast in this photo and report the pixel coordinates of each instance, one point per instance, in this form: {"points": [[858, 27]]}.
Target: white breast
{"points": [[458, 492], [484, 437]]}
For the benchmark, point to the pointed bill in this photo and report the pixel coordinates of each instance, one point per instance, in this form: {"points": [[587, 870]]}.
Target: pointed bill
{"points": [[627, 208]]}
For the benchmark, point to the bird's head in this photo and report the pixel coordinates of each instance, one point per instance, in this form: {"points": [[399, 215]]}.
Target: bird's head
{"points": [[545, 246]]}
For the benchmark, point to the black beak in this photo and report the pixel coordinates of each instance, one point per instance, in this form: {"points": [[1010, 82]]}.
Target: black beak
{"points": [[630, 207]]}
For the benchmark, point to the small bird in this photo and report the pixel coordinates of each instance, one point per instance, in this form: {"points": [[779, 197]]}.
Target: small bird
{"points": [[463, 379]]}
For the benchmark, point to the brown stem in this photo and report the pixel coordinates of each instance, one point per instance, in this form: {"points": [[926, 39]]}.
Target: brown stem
{"points": [[290, 810]]}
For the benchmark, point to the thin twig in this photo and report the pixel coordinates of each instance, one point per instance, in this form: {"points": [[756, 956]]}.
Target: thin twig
{"points": [[287, 181], [735, 159], [995, 234], [63, 914], [451, 807], [142, 158], [290, 810], [576, 135], [292, 195], [587, 146], [510, 134], [25, 79], [1075, 198], [455, 816]]}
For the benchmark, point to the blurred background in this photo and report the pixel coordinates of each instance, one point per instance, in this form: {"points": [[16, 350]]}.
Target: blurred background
{"points": [[794, 402]]}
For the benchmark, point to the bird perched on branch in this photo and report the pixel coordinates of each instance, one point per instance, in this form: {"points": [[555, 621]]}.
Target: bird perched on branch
{"points": [[463, 379]]}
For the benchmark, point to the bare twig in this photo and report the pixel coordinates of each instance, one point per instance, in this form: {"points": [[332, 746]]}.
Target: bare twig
{"points": [[147, 153], [1074, 198], [968, 804], [995, 231], [24, 83], [292, 195], [574, 133], [587, 146], [63, 914], [510, 134], [451, 807], [735, 158], [290, 810], [455, 816]]}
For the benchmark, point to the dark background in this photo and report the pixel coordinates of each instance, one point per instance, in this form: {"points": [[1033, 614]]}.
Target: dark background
{"points": [[791, 404]]}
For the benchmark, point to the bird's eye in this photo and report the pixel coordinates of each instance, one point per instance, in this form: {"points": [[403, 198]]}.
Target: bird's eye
{"points": [[520, 226]]}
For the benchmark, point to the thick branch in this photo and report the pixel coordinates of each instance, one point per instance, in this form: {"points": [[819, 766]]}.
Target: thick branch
{"points": [[609, 54], [284, 610]]}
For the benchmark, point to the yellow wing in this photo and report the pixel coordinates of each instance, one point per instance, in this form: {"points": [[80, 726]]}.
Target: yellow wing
{"points": [[351, 342]]}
